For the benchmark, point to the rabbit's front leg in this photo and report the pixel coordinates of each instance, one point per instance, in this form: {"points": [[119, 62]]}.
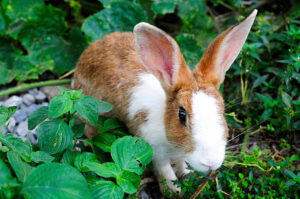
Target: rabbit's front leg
{"points": [[181, 167], [164, 170]]}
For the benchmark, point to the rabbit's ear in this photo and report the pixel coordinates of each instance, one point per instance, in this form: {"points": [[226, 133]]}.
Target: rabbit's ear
{"points": [[222, 52], [160, 54]]}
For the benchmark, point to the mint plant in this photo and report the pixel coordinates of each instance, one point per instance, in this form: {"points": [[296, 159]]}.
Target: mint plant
{"points": [[61, 165]]}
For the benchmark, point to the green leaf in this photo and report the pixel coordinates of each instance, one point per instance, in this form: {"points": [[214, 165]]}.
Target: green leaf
{"points": [[106, 190], [2, 23], [105, 107], [112, 123], [129, 181], [260, 80], [190, 48], [266, 115], [6, 75], [69, 157], [5, 173], [41, 156], [87, 107], [106, 170], [54, 180], [54, 136], [6, 113], [163, 7], [286, 98], [104, 141], [21, 168], [132, 154], [37, 117], [16, 144], [83, 159], [59, 105], [78, 130], [110, 20]]}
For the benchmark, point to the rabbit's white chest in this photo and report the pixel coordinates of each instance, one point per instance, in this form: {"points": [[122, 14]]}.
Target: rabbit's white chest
{"points": [[148, 96]]}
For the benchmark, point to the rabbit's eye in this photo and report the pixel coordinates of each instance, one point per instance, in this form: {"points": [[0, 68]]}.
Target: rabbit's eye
{"points": [[182, 116]]}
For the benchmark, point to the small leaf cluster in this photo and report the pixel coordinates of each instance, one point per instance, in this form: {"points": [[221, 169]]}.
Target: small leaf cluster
{"points": [[64, 164]]}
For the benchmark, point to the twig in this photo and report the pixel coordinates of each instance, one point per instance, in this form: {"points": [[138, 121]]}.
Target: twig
{"points": [[25, 86], [218, 188], [67, 74], [203, 185]]}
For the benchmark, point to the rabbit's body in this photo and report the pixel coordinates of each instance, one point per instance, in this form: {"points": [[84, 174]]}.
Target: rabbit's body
{"points": [[178, 111]]}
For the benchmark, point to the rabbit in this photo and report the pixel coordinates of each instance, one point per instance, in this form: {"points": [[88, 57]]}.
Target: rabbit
{"points": [[179, 112]]}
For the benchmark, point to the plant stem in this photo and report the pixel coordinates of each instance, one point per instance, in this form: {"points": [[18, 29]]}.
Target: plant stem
{"points": [[25, 86]]}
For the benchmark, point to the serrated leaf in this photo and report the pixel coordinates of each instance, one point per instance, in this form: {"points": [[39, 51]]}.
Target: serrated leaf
{"points": [[16, 144], [88, 107], [81, 161], [37, 117], [129, 182], [106, 170], [54, 136], [109, 20], [106, 190], [20, 168], [6, 113], [59, 105], [132, 153], [105, 107], [104, 141], [54, 180], [41, 156]]}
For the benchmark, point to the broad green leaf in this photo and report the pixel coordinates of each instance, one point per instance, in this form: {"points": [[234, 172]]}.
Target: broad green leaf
{"points": [[112, 123], [21, 169], [17, 12], [54, 180], [106, 170], [16, 144], [110, 20], [81, 161], [107, 3], [2, 23], [69, 157], [105, 107], [6, 75], [41, 156], [5, 173], [37, 117], [190, 48], [19, 9], [163, 7], [59, 105], [286, 98], [54, 136], [87, 107], [78, 130], [129, 181], [132, 153], [104, 141], [106, 190], [6, 113]]}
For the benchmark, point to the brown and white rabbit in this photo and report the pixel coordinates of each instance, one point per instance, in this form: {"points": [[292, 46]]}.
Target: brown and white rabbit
{"points": [[178, 111]]}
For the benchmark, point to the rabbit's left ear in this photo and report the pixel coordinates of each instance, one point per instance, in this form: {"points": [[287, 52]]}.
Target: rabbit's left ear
{"points": [[222, 52]]}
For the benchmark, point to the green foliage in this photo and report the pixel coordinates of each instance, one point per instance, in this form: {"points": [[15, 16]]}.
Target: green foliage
{"points": [[263, 178], [261, 90], [51, 169]]}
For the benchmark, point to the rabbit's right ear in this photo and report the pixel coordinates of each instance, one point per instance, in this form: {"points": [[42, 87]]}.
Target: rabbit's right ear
{"points": [[160, 54], [222, 51]]}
